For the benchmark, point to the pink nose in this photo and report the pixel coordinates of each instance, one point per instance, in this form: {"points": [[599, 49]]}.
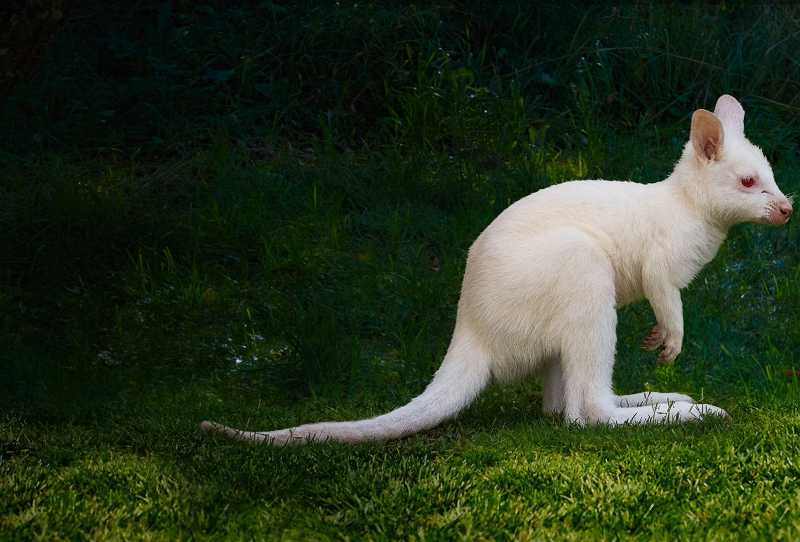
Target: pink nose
{"points": [[786, 209]]}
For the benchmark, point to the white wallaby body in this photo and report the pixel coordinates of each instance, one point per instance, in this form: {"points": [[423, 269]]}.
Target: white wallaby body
{"points": [[544, 280]]}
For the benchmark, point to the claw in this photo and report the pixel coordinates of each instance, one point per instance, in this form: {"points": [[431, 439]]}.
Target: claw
{"points": [[654, 339], [667, 356]]}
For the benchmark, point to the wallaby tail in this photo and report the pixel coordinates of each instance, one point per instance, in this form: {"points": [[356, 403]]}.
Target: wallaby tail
{"points": [[463, 375]]}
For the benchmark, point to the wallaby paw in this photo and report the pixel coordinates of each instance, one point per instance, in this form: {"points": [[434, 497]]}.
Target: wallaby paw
{"points": [[671, 350], [677, 398], [671, 342], [654, 339], [700, 411]]}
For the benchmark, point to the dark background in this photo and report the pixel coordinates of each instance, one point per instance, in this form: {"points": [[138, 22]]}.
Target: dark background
{"points": [[294, 185]]}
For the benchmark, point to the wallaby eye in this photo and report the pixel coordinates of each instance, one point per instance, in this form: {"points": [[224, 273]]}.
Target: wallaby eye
{"points": [[748, 182]]}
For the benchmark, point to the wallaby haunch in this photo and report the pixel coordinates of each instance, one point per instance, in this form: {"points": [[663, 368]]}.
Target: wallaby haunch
{"points": [[544, 279]]}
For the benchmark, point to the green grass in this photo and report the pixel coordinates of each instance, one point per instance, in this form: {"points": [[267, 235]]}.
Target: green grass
{"points": [[500, 472], [261, 215]]}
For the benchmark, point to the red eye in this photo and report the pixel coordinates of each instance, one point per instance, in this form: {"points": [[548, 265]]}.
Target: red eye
{"points": [[748, 182]]}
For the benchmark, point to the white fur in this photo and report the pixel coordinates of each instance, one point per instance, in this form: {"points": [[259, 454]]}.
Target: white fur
{"points": [[544, 280]]}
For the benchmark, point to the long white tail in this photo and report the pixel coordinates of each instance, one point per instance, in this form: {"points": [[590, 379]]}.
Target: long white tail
{"points": [[463, 375]]}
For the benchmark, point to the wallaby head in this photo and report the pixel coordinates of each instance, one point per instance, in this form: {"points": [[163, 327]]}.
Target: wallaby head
{"points": [[729, 178]]}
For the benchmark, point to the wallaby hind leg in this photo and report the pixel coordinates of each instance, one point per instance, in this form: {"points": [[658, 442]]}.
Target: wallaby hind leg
{"points": [[553, 388], [651, 398], [587, 363], [587, 359], [553, 396], [588, 366]]}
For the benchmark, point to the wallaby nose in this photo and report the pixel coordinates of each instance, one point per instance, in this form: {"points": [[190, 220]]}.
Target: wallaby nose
{"points": [[786, 209]]}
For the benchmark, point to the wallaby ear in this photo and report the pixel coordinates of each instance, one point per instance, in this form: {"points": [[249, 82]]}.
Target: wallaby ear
{"points": [[730, 112], [707, 135]]}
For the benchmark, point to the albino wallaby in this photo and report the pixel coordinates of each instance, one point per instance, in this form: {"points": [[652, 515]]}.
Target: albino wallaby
{"points": [[544, 279]]}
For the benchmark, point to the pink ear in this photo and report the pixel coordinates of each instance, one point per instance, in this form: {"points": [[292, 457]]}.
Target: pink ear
{"points": [[730, 112], [707, 135]]}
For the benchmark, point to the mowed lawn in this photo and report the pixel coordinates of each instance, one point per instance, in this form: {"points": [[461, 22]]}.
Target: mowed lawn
{"points": [[500, 472]]}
